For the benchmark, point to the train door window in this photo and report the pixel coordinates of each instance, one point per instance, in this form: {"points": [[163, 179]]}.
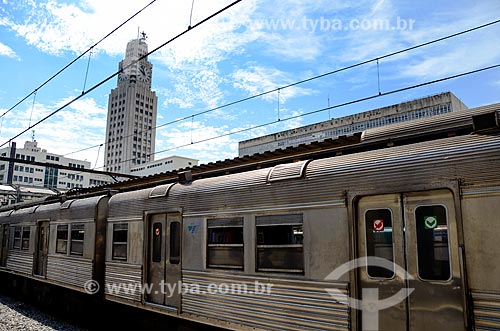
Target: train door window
{"points": [[17, 238], [25, 242], [280, 243], [62, 239], [175, 243], [157, 238], [225, 243], [379, 243], [77, 239], [432, 243], [120, 238]]}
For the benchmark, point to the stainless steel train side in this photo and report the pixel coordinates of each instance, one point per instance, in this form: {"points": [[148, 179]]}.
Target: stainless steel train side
{"points": [[431, 208], [58, 243], [288, 247]]}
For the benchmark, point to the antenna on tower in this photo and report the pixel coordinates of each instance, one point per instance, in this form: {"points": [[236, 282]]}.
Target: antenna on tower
{"points": [[32, 135]]}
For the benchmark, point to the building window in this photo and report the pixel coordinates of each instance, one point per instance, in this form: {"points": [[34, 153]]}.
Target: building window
{"points": [[280, 243], [120, 238], [62, 239], [77, 239]]}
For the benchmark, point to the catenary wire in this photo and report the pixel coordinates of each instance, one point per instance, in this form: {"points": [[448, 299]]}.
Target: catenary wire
{"points": [[116, 73], [378, 95], [377, 59], [76, 59]]}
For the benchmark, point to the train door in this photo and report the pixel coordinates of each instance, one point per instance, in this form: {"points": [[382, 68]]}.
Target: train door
{"points": [[421, 290], [164, 260], [4, 235], [42, 247]]}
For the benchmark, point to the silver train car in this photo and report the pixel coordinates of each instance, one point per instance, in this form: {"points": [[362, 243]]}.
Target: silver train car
{"points": [[60, 243], [398, 238]]}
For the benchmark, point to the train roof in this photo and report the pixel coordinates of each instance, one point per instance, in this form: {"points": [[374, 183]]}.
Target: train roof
{"points": [[483, 119], [439, 126]]}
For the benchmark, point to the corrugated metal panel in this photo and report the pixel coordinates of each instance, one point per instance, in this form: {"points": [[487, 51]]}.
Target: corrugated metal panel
{"points": [[448, 121], [289, 305], [131, 204], [486, 310], [42, 212], [472, 158], [5, 214], [81, 209], [123, 280], [69, 270], [20, 261]]}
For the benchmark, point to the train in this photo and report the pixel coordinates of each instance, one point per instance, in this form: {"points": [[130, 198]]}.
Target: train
{"points": [[390, 236]]}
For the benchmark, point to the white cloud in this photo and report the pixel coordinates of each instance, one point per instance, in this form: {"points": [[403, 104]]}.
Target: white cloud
{"points": [[192, 87], [76, 127], [258, 79], [55, 27], [231, 51], [207, 145], [7, 51], [470, 53], [453, 56]]}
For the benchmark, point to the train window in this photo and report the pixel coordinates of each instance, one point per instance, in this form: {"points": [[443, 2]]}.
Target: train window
{"points": [[62, 239], [17, 238], [157, 235], [175, 242], [77, 238], [225, 243], [432, 243], [280, 243], [120, 239], [378, 223], [25, 242]]}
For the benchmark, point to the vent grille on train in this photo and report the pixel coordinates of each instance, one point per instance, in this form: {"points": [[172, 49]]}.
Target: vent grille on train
{"points": [[66, 204], [287, 171], [160, 191]]}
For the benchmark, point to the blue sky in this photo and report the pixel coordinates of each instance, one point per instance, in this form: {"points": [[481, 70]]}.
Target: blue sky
{"points": [[251, 48]]}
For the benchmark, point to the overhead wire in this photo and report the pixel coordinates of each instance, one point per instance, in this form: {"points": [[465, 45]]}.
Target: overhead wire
{"points": [[380, 94], [278, 89], [374, 96], [117, 72], [76, 59], [256, 95]]}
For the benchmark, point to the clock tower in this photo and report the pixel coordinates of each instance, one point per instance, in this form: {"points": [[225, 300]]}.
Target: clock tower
{"points": [[132, 108]]}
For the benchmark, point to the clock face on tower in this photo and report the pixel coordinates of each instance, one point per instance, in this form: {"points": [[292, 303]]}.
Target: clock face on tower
{"points": [[144, 73], [122, 77]]}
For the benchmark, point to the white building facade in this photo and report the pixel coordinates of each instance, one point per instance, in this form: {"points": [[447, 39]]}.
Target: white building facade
{"points": [[332, 129], [163, 165], [27, 175]]}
